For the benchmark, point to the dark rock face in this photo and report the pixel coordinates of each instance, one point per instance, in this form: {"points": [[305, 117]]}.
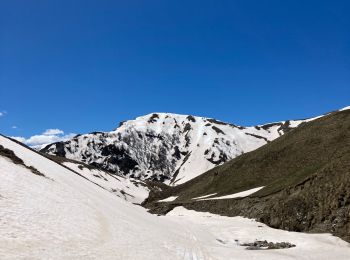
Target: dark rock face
{"points": [[60, 151], [177, 153], [191, 118], [218, 130], [118, 156], [153, 118], [222, 158]]}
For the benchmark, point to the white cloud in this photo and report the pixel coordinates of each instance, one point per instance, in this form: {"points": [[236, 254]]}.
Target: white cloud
{"points": [[14, 127], [53, 132], [3, 113], [19, 138], [47, 137]]}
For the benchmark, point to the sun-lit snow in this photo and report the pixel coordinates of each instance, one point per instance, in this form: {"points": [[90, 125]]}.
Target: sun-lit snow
{"points": [[345, 108], [127, 188], [65, 216], [205, 196], [171, 198], [235, 195], [222, 237]]}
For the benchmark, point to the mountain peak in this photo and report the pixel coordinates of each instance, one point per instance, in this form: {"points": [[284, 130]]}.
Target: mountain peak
{"points": [[167, 147]]}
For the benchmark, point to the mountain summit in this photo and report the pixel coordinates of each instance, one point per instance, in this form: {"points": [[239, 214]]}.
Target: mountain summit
{"points": [[168, 147]]}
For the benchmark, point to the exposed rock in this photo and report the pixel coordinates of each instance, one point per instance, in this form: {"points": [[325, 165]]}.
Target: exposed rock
{"points": [[264, 245]]}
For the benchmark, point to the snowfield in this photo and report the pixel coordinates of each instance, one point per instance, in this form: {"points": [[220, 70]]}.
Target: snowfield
{"points": [[66, 216]]}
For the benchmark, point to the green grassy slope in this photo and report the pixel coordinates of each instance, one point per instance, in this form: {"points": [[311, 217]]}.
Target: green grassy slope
{"points": [[306, 174], [282, 163]]}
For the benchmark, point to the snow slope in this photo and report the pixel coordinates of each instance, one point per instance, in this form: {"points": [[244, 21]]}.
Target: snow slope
{"points": [[129, 189], [168, 147], [65, 216]]}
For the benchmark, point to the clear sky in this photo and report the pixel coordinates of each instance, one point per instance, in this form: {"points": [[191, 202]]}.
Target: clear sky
{"points": [[82, 66]]}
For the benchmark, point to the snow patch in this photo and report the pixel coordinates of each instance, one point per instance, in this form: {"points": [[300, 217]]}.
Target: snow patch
{"points": [[171, 198], [241, 194], [205, 196]]}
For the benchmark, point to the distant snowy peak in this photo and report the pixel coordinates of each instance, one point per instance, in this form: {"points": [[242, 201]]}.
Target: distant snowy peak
{"points": [[168, 147]]}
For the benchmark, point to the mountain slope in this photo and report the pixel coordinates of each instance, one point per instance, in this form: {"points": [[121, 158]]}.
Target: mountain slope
{"points": [[168, 147], [51, 212], [305, 176], [63, 216], [129, 189]]}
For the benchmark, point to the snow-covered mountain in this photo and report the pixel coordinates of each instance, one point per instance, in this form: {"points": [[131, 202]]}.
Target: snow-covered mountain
{"points": [[51, 212], [168, 147]]}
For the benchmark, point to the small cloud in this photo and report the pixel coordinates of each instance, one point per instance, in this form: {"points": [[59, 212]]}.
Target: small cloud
{"points": [[53, 132], [19, 138], [3, 113], [47, 137], [14, 127]]}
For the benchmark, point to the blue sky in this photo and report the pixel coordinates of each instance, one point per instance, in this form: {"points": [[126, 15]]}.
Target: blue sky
{"points": [[81, 66]]}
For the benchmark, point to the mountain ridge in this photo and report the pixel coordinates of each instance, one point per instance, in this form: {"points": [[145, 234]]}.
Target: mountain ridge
{"points": [[168, 147]]}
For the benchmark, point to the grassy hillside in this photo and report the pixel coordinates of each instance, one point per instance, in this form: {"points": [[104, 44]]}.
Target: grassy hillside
{"points": [[306, 174]]}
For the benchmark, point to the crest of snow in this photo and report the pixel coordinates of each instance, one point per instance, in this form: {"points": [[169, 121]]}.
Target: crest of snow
{"points": [[241, 194], [345, 108]]}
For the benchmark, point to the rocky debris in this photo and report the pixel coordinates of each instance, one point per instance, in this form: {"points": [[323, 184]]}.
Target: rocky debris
{"points": [[264, 245]]}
